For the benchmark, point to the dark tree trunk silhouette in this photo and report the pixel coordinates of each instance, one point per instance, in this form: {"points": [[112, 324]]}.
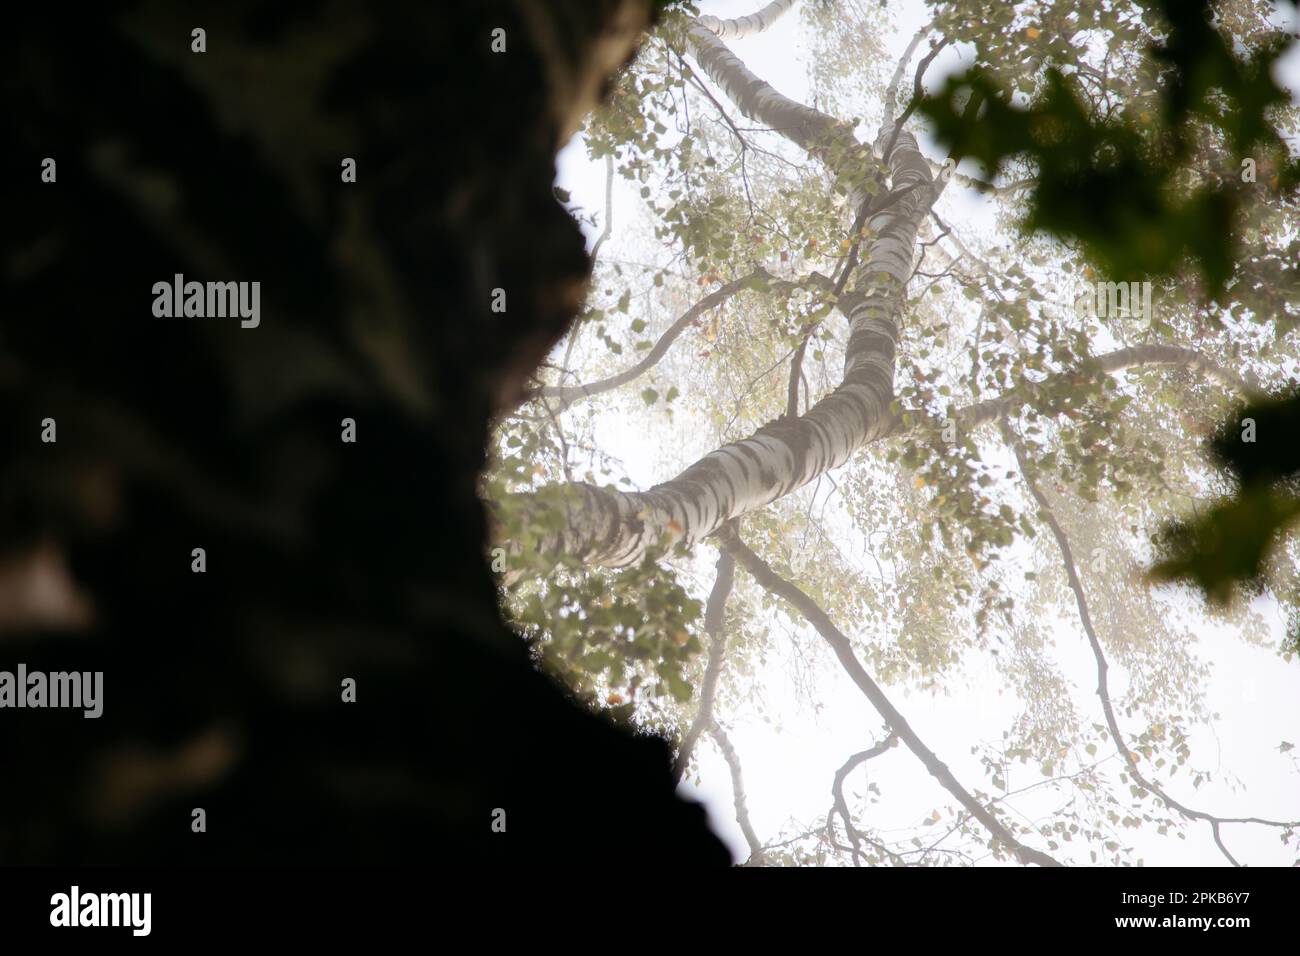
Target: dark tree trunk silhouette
{"points": [[325, 560]]}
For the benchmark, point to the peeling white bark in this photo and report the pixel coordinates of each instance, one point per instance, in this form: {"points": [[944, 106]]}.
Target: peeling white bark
{"points": [[812, 130], [747, 25], [615, 528]]}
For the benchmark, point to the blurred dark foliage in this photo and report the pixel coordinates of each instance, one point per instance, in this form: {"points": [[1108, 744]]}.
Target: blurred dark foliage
{"points": [[1111, 184], [325, 560], [1275, 453], [1228, 547]]}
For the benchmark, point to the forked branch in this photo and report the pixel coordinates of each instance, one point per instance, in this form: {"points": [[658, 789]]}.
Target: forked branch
{"points": [[843, 650]]}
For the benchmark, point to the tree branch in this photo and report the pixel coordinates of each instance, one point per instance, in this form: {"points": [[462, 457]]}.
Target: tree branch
{"points": [[993, 409], [714, 611], [840, 805], [1103, 685], [747, 25], [568, 394], [609, 207], [843, 650], [921, 67], [610, 520], [756, 852], [891, 91], [811, 130]]}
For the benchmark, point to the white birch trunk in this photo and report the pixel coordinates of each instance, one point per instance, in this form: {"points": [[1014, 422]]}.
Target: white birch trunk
{"points": [[614, 528], [812, 130], [748, 25]]}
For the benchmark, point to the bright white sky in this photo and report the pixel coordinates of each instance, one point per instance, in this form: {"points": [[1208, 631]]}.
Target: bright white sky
{"points": [[789, 763]]}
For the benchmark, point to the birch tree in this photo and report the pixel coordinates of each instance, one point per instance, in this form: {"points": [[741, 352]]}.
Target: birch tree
{"points": [[924, 443]]}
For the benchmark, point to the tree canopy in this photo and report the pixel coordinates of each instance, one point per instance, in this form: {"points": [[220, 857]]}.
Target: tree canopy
{"points": [[971, 372]]}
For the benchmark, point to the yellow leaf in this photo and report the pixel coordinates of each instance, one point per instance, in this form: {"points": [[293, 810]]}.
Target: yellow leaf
{"points": [[920, 482], [1033, 32], [675, 528], [682, 638]]}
